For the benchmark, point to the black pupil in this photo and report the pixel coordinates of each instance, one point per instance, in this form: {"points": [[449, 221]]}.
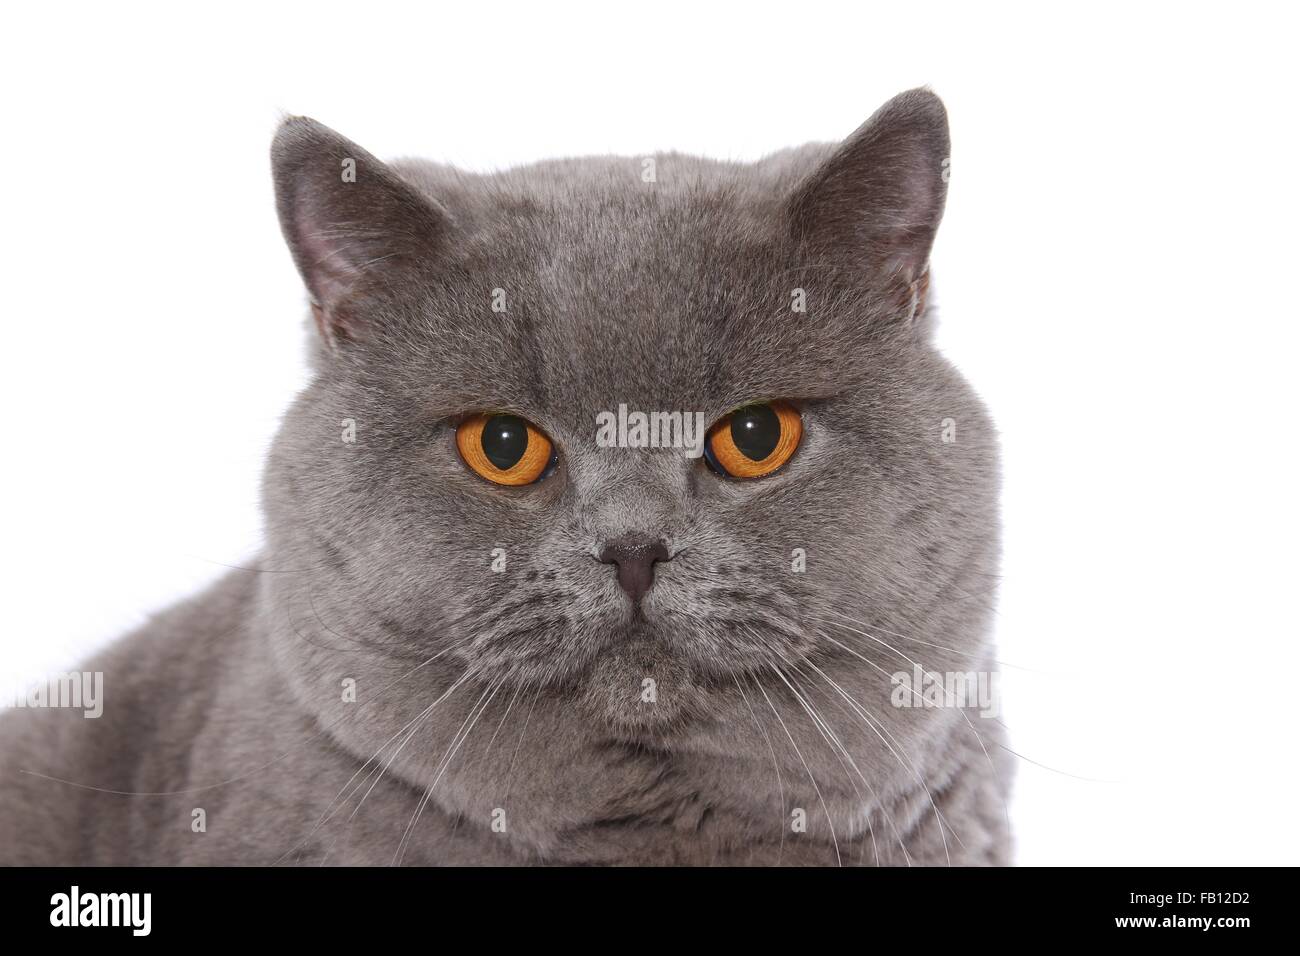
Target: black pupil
{"points": [[755, 431], [505, 438]]}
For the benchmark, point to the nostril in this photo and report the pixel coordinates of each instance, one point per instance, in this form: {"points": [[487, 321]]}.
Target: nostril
{"points": [[636, 560]]}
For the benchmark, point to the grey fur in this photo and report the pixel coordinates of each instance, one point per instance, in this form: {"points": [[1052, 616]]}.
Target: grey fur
{"points": [[666, 295]]}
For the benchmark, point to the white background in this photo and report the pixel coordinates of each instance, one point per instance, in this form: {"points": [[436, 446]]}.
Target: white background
{"points": [[1115, 275]]}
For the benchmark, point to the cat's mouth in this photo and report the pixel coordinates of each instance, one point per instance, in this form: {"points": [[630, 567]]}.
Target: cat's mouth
{"points": [[646, 663], [641, 687], [690, 653]]}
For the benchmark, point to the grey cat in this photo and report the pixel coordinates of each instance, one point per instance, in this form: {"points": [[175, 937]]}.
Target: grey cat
{"points": [[477, 635]]}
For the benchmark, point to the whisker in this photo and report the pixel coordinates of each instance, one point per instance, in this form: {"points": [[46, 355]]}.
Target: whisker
{"points": [[331, 808], [961, 710], [780, 785], [421, 718], [944, 647], [872, 722], [811, 779], [837, 744], [466, 728]]}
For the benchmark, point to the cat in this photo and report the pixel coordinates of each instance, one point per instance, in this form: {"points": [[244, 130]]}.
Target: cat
{"points": [[476, 635]]}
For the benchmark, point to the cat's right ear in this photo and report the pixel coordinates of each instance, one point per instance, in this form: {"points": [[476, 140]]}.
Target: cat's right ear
{"points": [[874, 204], [349, 221]]}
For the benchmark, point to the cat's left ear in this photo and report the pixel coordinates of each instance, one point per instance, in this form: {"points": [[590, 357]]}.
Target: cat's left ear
{"points": [[873, 207], [349, 220]]}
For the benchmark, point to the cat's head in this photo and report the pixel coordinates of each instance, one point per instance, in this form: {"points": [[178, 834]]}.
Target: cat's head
{"points": [[642, 584]]}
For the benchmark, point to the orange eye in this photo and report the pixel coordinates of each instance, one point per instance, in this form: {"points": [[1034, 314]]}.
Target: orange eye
{"points": [[755, 440], [505, 449]]}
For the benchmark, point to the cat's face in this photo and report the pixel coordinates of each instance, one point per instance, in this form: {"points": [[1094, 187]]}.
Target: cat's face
{"points": [[565, 294]]}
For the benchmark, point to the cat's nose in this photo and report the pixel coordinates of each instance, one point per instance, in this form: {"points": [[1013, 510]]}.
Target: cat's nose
{"points": [[636, 559]]}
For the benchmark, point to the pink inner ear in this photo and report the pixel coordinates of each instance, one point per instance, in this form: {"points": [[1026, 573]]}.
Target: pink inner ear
{"points": [[326, 263], [322, 325], [329, 267]]}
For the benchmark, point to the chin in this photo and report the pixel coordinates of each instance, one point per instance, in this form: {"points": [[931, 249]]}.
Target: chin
{"points": [[641, 691]]}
